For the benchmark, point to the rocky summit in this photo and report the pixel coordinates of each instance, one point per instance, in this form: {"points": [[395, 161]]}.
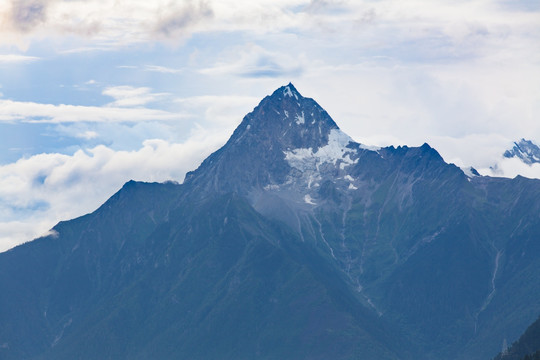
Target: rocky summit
{"points": [[525, 150], [292, 241]]}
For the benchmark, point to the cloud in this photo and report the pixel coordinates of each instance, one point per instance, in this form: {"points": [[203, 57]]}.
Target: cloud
{"points": [[16, 59], [11, 111], [511, 168], [455, 29], [318, 6], [224, 111], [26, 15], [37, 192], [88, 135], [163, 69], [132, 96], [174, 20], [254, 61]]}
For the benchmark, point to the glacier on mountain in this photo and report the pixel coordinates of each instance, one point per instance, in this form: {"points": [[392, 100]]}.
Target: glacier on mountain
{"points": [[305, 159]]}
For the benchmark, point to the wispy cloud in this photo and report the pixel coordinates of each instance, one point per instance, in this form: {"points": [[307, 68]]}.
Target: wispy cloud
{"points": [[177, 19], [25, 15], [370, 23], [225, 110], [163, 69], [17, 58], [12, 111], [126, 96], [256, 62]]}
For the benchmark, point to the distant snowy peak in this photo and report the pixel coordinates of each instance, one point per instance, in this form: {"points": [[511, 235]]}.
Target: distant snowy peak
{"points": [[525, 150]]}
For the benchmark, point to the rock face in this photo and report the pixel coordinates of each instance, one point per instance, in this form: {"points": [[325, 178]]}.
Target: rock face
{"points": [[291, 241]]}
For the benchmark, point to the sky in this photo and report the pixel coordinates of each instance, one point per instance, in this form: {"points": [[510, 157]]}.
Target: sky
{"points": [[94, 93]]}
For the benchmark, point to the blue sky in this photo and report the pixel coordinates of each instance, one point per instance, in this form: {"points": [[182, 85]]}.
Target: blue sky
{"points": [[94, 93]]}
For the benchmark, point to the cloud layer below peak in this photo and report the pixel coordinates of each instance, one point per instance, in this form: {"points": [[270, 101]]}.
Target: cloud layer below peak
{"points": [[36, 192]]}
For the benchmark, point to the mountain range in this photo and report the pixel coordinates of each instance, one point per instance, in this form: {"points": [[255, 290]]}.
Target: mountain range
{"points": [[292, 241]]}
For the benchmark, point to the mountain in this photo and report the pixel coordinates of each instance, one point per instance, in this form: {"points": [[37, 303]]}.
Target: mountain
{"points": [[527, 347], [525, 150], [292, 241]]}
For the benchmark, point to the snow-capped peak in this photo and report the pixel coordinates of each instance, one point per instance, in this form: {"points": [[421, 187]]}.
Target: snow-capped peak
{"points": [[525, 150]]}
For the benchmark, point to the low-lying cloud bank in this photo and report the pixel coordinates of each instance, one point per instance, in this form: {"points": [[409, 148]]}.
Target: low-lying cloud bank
{"points": [[37, 192]]}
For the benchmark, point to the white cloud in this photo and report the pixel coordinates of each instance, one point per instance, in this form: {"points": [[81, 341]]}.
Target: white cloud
{"points": [[450, 26], [511, 168], [87, 135], [16, 58], [253, 61], [109, 23], [176, 19], [11, 111], [37, 192], [225, 110], [132, 96], [163, 69]]}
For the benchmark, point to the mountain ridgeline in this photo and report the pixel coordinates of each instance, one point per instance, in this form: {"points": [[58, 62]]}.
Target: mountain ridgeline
{"points": [[292, 241]]}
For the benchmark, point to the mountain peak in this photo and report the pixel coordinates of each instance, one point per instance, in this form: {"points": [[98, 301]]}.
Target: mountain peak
{"points": [[295, 120], [525, 150], [287, 91], [280, 124]]}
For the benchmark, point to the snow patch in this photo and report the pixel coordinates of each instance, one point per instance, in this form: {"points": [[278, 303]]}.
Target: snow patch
{"points": [[300, 119], [286, 113], [309, 200], [313, 180], [370, 147], [287, 92], [352, 187], [470, 172], [349, 178], [336, 150]]}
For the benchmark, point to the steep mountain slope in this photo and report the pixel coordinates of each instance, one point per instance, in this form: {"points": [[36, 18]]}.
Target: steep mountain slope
{"points": [[210, 281], [291, 241]]}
